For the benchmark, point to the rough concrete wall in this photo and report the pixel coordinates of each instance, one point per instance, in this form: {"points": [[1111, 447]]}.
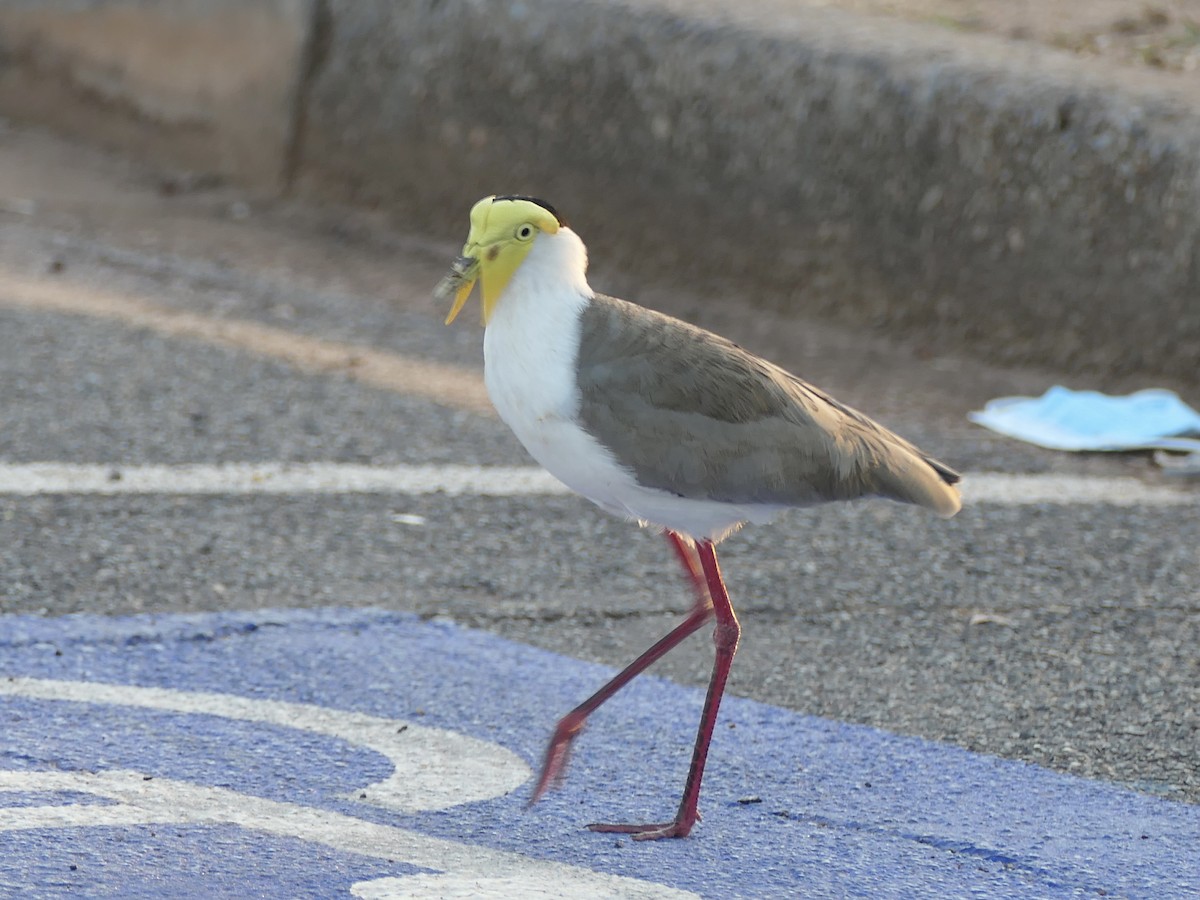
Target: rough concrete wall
{"points": [[961, 188], [207, 84], [967, 188]]}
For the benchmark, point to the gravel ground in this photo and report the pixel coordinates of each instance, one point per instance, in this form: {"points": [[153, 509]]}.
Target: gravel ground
{"points": [[1061, 635]]}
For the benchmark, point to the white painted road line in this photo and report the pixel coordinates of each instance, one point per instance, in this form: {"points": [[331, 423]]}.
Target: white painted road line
{"points": [[496, 481], [277, 478], [1026, 490]]}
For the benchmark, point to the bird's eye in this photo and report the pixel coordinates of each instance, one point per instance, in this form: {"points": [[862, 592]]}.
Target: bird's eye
{"points": [[524, 232]]}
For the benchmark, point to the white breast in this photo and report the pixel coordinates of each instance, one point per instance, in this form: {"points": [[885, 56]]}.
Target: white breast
{"points": [[530, 350]]}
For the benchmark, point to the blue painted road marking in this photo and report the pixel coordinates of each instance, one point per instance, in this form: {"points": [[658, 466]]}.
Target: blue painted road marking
{"points": [[268, 753]]}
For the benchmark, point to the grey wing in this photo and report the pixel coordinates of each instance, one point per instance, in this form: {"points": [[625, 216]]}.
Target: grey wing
{"points": [[694, 414]]}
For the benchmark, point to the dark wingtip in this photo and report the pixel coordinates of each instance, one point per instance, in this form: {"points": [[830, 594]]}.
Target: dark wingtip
{"points": [[948, 474], [540, 202]]}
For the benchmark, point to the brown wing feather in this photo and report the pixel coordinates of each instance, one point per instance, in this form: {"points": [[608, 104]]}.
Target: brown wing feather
{"points": [[694, 414]]}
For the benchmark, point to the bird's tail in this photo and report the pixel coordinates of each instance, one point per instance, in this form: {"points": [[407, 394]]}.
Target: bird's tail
{"points": [[916, 478]]}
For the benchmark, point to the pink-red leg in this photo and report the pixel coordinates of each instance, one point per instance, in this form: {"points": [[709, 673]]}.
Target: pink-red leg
{"points": [[557, 753], [725, 637]]}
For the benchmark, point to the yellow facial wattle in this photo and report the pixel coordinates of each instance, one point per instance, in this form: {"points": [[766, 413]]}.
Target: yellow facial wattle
{"points": [[503, 230]]}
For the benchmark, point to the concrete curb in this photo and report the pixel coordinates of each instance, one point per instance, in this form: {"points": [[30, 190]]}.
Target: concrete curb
{"points": [[960, 188], [209, 85]]}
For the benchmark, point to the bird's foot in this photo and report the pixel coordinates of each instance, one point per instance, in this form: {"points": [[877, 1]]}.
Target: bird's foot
{"points": [[681, 827], [558, 753]]}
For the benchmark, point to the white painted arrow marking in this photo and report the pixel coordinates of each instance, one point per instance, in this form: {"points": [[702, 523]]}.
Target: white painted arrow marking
{"points": [[464, 870], [431, 768]]}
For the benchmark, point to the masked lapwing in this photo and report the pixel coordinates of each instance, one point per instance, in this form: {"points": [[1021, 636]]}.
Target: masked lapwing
{"points": [[662, 423]]}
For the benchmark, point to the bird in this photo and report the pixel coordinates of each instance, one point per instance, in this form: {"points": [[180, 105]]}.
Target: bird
{"points": [[663, 423]]}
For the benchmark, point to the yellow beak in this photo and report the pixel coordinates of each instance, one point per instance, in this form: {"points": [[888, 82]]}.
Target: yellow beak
{"points": [[458, 281]]}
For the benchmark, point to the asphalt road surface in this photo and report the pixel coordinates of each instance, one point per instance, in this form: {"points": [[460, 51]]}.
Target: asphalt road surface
{"points": [[153, 320]]}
